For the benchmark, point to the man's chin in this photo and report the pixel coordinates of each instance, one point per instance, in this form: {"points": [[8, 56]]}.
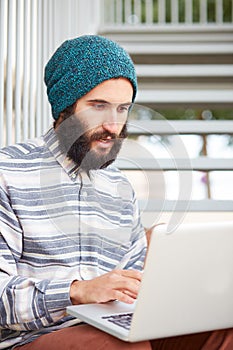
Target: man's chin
{"points": [[100, 152], [101, 148], [93, 160], [96, 163]]}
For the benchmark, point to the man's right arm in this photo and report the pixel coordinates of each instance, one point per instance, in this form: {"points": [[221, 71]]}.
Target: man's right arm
{"points": [[26, 303]]}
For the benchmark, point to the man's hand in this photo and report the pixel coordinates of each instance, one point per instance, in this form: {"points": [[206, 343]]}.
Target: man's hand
{"points": [[122, 285]]}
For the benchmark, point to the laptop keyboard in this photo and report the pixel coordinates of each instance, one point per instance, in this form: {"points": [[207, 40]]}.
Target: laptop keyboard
{"points": [[122, 320]]}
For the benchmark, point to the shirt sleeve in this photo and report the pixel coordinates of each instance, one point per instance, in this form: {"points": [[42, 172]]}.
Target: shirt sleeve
{"points": [[25, 303]]}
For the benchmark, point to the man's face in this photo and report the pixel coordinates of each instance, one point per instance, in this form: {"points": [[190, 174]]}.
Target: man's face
{"points": [[92, 137]]}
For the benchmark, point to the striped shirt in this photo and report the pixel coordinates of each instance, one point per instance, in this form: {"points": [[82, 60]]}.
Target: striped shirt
{"points": [[58, 224]]}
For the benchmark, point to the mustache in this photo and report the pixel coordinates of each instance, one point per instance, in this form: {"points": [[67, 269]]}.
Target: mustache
{"points": [[102, 135]]}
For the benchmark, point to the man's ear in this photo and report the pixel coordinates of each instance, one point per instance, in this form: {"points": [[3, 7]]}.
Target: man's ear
{"points": [[70, 110], [59, 120]]}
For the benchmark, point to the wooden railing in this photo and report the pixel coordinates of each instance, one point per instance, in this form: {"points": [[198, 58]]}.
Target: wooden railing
{"points": [[161, 12]]}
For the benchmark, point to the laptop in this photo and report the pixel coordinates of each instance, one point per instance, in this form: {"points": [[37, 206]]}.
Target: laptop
{"points": [[187, 287]]}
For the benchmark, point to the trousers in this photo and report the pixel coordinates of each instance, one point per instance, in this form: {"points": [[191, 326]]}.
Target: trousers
{"points": [[85, 337]]}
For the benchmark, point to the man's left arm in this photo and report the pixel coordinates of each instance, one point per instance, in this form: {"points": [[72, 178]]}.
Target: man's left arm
{"points": [[135, 257]]}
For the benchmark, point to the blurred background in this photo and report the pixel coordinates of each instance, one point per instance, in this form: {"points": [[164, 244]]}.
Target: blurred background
{"points": [[183, 53]]}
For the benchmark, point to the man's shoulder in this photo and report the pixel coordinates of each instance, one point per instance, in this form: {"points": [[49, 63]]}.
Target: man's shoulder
{"points": [[22, 150]]}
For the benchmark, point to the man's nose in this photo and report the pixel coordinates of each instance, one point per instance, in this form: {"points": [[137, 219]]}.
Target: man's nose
{"points": [[111, 124]]}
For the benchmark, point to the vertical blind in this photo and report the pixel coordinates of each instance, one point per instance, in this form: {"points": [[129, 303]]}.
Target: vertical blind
{"points": [[24, 40], [30, 31]]}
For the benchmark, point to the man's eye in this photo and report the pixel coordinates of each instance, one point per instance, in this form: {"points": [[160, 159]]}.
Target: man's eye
{"points": [[122, 109], [99, 106]]}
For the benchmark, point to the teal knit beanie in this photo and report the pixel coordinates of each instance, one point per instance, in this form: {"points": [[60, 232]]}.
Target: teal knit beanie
{"points": [[80, 64]]}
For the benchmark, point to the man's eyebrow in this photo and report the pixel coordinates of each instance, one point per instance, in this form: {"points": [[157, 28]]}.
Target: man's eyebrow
{"points": [[126, 104], [98, 100], [107, 102]]}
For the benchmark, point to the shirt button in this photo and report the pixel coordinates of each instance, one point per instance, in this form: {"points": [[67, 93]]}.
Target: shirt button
{"points": [[73, 176]]}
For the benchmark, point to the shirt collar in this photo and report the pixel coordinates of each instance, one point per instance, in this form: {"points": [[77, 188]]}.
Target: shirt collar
{"points": [[52, 143]]}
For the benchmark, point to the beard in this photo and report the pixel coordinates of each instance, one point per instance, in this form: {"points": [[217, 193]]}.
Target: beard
{"points": [[75, 142]]}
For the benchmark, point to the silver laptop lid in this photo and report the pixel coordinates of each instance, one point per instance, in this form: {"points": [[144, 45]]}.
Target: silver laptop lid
{"points": [[188, 281]]}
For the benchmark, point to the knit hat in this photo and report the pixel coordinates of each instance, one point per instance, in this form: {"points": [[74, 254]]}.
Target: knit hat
{"points": [[80, 64]]}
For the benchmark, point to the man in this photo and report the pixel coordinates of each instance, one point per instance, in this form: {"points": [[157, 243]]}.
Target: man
{"points": [[70, 224]]}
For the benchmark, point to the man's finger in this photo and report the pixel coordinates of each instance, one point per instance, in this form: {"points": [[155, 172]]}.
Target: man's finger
{"points": [[132, 274]]}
